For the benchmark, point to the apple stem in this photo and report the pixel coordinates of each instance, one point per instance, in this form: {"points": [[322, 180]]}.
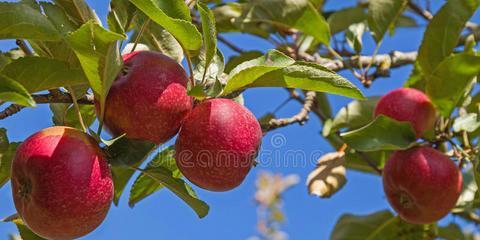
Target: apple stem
{"points": [[190, 67], [77, 108]]}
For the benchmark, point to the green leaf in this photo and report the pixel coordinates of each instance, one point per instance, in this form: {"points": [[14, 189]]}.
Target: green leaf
{"points": [[7, 152], [234, 61], [184, 31], [356, 114], [78, 10], [468, 123], [383, 133], [179, 187], [442, 90], [354, 36], [59, 18], [198, 92], [354, 161], [376, 226], [285, 14], [247, 72], [214, 70], [340, 20], [443, 32], [25, 232], [382, 14], [66, 115], [159, 39], [209, 34], [145, 186], [120, 175], [416, 79], [308, 76], [129, 152], [39, 73], [97, 50], [451, 232], [12, 91], [24, 22]]}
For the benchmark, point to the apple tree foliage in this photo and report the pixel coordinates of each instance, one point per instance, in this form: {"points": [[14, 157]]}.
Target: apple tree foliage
{"points": [[67, 55]]}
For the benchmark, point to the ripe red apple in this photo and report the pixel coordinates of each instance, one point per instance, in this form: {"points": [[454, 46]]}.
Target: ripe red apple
{"points": [[422, 184], [408, 105], [217, 144], [148, 100], [61, 183]]}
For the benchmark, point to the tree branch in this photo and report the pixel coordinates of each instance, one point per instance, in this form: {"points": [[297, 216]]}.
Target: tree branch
{"points": [[301, 117], [229, 44], [53, 97]]}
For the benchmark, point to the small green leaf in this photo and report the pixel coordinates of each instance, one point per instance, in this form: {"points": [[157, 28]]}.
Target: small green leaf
{"points": [[382, 14], [443, 32], [416, 79], [249, 71], [354, 36], [7, 152], [78, 10], [376, 226], [184, 31], [12, 91], [198, 92], [383, 133], [39, 73], [355, 161], [340, 20], [66, 115], [209, 34], [243, 57], [179, 187], [308, 76], [356, 114], [120, 175], [97, 50], [24, 22], [145, 186], [445, 93], [467, 123], [129, 152], [215, 69]]}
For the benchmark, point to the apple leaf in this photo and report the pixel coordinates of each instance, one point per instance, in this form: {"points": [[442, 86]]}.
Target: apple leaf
{"points": [[356, 114], [382, 14], [356, 162], [383, 133], [443, 32], [376, 226], [284, 14], [99, 56], [184, 31], [120, 175], [22, 21], [129, 152], [145, 186], [445, 93], [247, 72], [39, 73], [468, 123], [7, 152], [209, 34], [12, 91], [25, 232], [340, 20], [78, 10], [308, 76], [178, 186], [234, 61], [65, 114]]}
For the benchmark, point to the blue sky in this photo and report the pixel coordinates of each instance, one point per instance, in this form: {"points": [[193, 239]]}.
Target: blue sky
{"points": [[233, 214]]}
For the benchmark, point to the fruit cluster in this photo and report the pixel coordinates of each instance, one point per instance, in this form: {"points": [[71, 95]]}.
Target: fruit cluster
{"points": [[421, 183], [61, 180]]}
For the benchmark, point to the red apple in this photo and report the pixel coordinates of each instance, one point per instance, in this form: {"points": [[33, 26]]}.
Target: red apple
{"points": [[148, 100], [217, 144], [61, 183], [408, 105], [422, 184]]}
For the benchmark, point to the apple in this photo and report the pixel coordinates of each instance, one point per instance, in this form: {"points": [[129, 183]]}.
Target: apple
{"points": [[422, 184], [408, 105], [148, 100], [217, 144], [61, 183]]}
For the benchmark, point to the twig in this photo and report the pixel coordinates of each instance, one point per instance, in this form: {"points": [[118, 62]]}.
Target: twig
{"points": [[137, 39], [77, 108], [60, 97], [301, 117], [229, 44], [22, 45]]}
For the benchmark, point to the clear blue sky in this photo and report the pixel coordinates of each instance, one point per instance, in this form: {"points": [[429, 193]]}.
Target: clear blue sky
{"points": [[233, 214]]}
